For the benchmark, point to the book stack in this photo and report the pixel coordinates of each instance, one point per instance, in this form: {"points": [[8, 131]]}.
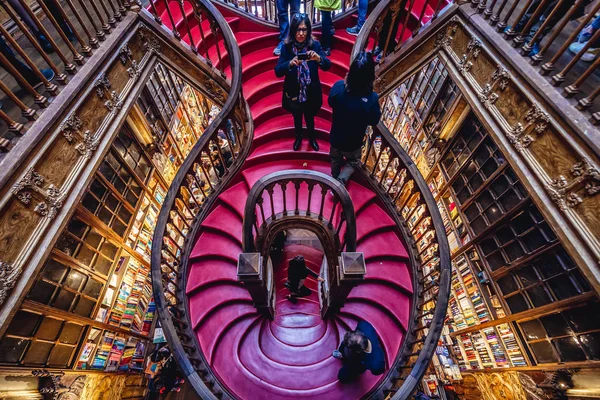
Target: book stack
{"points": [[482, 350], [116, 352], [103, 351], [497, 352], [467, 345], [149, 317], [120, 305], [128, 353], [511, 346]]}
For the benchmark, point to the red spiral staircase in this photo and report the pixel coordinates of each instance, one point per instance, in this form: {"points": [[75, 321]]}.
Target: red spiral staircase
{"points": [[252, 356]]}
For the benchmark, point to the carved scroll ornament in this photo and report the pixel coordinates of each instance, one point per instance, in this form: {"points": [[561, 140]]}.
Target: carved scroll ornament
{"points": [[567, 193], [8, 278], [32, 182]]}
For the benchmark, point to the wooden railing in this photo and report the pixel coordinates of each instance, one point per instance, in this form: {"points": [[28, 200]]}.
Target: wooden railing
{"points": [[266, 10], [562, 50], [309, 200], [400, 185], [202, 176], [40, 58], [392, 23]]}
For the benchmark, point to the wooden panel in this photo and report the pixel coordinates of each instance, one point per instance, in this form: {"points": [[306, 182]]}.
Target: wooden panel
{"points": [[17, 221], [552, 154]]}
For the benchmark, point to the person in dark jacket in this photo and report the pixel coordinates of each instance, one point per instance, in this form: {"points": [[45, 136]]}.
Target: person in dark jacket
{"points": [[297, 273], [360, 351], [299, 62], [355, 106]]}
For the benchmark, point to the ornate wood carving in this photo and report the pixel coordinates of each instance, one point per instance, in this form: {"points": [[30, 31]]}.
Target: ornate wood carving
{"points": [[43, 185], [563, 166]]}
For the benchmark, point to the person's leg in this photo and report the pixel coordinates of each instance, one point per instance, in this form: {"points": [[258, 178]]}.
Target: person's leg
{"points": [[310, 131], [23, 69], [284, 21], [54, 8], [349, 373], [362, 13], [294, 7], [298, 128], [352, 163], [337, 161], [326, 30]]}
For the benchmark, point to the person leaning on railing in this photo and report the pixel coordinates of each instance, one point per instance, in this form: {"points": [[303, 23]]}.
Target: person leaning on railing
{"points": [[355, 106]]}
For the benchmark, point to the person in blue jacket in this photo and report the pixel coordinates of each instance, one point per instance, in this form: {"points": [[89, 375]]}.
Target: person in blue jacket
{"points": [[355, 106], [299, 61], [360, 351]]}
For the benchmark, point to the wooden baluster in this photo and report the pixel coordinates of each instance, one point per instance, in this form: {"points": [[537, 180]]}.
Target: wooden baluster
{"points": [[255, 9], [196, 177], [560, 77], [383, 175], [246, 8], [500, 27], [100, 35], [25, 110], [260, 202], [13, 126], [323, 193], [496, 17], [311, 186], [105, 26], [395, 10], [174, 30], [336, 201], [69, 66], [111, 19], [270, 193], [573, 89], [212, 163], [4, 143], [482, 6], [489, 9], [202, 36], [549, 66], [393, 180], [526, 49], [116, 13], [78, 58], [519, 39], [206, 175], [92, 40], [122, 8], [370, 139], [511, 31], [376, 164], [419, 22], [214, 28], [558, 29], [588, 101], [297, 187], [50, 87], [154, 12], [59, 76], [283, 186]]}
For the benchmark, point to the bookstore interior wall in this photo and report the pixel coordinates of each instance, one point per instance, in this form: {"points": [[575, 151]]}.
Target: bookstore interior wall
{"points": [[91, 306]]}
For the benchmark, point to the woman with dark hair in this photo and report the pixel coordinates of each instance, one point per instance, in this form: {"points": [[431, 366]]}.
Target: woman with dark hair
{"points": [[300, 59], [355, 106]]}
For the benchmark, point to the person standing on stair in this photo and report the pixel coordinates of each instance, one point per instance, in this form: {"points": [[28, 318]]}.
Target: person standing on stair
{"points": [[300, 59], [297, 274], [355, 107], [284, 20], [360, 351]]}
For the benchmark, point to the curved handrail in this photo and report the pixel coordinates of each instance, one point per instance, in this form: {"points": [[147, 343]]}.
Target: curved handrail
{"points": [[209, 167], [394, 13], [398, 182], [280, 179], [265, 12], [276, 202]]}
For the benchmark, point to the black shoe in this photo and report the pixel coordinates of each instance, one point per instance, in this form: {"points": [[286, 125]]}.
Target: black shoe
{"points": [[291, 298], [314, 144], [327, 52], [297, 143], [45, 44]]}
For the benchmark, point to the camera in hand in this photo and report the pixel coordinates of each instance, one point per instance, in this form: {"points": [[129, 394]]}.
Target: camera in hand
{"points": [[303, 56]]}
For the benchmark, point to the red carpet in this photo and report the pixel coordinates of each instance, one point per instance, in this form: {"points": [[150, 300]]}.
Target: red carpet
{"points": [[289, 357]]}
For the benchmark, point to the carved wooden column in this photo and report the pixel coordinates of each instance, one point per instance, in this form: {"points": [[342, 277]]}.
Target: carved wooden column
{"points": [[257, 278], [351, 270]]}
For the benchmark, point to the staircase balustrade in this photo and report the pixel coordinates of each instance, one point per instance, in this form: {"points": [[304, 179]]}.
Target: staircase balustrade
{"points": [[266, 10], [544, 34], [53, 40], [402, 188], [203, 175], [392, 19], [266, 214]]}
